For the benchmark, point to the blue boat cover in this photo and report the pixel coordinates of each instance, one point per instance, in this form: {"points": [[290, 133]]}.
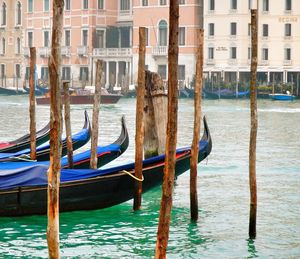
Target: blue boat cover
{"points": [[64, 161], [37, 174], [82, 135]]}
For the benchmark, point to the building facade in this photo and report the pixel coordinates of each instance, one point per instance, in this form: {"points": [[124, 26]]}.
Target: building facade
{"points": [[228, 40], [108, 30]]}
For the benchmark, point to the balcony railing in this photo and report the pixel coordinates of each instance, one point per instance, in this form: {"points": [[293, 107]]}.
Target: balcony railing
{"points": [[263, 63], [65, 51], [82, 50], [287, 62], [210, 61], [112, 52], [125, 15], [44, 52], [160, 51]]}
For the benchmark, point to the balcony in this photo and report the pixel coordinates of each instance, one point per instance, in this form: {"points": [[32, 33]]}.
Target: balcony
{"points": [[82, 51], [160, 51], [263, 63], [125, 15], [210, 62], [232, 62], [287, 62], [44, 52], [66, 51], [112, 52]]}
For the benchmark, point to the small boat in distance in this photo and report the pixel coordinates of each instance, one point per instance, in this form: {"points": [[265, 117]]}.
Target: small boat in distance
{"points": [[282, 97], [83, 96], [225, 94]]}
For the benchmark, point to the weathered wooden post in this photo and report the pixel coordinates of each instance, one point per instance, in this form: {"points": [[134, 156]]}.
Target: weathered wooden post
{"points": [[32, 104], [68, 123], [139, 124], [95, 122], [253, 131], [155, 115], [197, 126], [55, 131], [169, 170]]}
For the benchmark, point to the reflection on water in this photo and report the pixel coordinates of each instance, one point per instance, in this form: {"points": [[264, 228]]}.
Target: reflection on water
{"points": [[223, 191]]}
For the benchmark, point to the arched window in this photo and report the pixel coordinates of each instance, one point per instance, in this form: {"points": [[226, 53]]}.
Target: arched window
{"points": [[18, 13], [163, 33], [3, 12]]}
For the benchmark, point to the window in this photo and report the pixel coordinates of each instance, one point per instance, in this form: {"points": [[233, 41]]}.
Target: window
{"points": [[100, 4], [84, 74], [288, 5], [233, 4], [67, 5], [163, 33], [181, 72], [249, 4], [210, 53], [67, 38], [181, 36], [46, 39], [211, 29], [3, 12], [44, 73], [288, 30], [46, 5], [30, 6], [66, 73], [287, 54], [146, 36], [181, 1], [233, 29], [163, 2], [27, 73], [162, 71], [144, 2], [265, 5], [30, 39], [249, 53], [85, 4], [124, 5], [18, 14], [265, 54], [265, 30], [2, 71], [85, 37], [18, 71], [18, 46], [100, 39], [2, 50], [211, 5], [233, 52]]}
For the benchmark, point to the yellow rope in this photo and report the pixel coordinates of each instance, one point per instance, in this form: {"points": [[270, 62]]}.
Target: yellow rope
{"points": [[130, 174]]}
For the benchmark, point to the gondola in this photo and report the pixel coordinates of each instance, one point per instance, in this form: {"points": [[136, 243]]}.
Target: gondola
{"points": [[24, 142], [43, 151], [225, 94], [24, 191], [81, 160]]}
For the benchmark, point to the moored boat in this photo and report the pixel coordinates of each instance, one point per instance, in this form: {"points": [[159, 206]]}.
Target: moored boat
{"points": [[282, 97], [24, 142], [43, 151], [24, 191], [105, 154], [83, 97]]}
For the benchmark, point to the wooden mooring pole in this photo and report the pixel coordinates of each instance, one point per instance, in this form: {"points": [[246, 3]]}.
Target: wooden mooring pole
{"points": [[197, 126], [68, 123], [55, 131], [32, 103], [169, 170], [139, 124], [253, 131], [95, 122]]}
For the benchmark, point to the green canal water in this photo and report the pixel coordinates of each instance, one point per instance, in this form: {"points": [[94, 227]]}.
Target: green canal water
{"points": [[223, 189]]}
